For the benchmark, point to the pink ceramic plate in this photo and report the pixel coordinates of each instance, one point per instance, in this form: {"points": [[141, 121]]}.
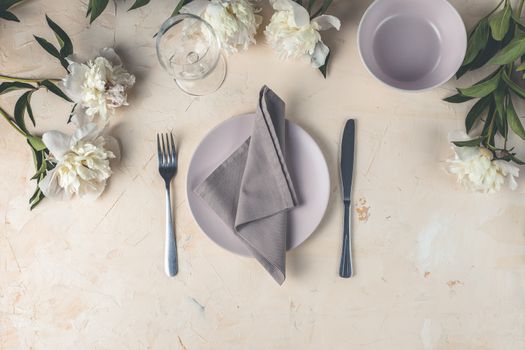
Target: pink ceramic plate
{"points": [[306, 164], [412, 44]]}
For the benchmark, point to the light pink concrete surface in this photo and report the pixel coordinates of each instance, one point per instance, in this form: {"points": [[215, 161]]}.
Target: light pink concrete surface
{"points": [[436, 267]]}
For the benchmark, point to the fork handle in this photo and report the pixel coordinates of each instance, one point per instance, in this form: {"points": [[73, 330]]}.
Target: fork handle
{"points": [[346, 268], [170, 253]]}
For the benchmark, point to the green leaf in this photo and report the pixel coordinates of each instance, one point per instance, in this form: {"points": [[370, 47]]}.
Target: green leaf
{"points": [[477, 41], [476, 111], [36, 198], [324, 67], [139, 3], [501, 113], [35, 195], [482, 88], [510, 53], [469, 143], [29, 109], [20, 109], [43, 164], [516, 160], [55, 89], [13, 86], [326, 4], [485, 55], [6, 4], [457, 98], [500, 22], [9, 16], [488, 122], [66, 46], [499, 97], [71, 113], [36, 143], [95, 8], [514, 121], [517, 20], [518, 90], [179, 6], [310, 5], [38, 157], [52, 50], [46, 45]]}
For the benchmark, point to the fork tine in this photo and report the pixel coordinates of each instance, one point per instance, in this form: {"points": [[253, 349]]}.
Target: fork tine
{"points": [[173, 148], [168, 149], [165, 155], [159, 151]]}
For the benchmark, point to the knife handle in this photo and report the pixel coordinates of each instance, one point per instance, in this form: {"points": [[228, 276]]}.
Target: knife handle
{"points": [[345, 269]]}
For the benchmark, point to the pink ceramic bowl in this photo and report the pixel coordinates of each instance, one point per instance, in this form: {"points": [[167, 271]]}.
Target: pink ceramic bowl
{"points": [[412, 45]]}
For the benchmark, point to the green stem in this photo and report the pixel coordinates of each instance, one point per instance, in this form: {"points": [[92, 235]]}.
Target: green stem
{"points": [[25, 80], [507, 98], [10, 121], [520, 7]]}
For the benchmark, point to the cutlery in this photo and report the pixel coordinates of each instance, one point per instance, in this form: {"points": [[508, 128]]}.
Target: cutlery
{"points": [[167, 154], [347, 169]]}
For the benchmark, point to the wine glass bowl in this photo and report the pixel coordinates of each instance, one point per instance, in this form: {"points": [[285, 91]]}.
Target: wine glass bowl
{"points": [[188, 49]]}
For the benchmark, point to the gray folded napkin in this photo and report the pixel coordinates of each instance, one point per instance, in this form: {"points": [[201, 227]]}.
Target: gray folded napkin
{"points": [[252, 191]]}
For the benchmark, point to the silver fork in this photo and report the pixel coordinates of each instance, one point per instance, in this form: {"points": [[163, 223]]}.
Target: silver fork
{"points": [[167, 153]]}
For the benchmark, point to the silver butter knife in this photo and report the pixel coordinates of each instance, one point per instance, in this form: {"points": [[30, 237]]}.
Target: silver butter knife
{"points": [[347, 168]]}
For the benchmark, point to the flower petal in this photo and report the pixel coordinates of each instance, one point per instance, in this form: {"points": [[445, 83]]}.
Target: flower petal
{"points": [[72, 83], [57, 142], [327, 22], [300, 14], [49, 185], [91, 190], [113, 146], [110, 54], [80, 117], [466, 153], [510, 171], [319, 55], [88, 131]]}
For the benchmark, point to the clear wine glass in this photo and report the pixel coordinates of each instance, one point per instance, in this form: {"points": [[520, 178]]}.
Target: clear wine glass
{"points": [[190, 52]]}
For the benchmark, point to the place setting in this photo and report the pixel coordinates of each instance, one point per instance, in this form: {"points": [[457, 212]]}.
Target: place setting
{"points": [[258, 184]]}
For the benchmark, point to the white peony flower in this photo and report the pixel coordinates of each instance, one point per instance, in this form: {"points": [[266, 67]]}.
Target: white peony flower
{"points": [[234, 21], [99, 86], [477, 170], [82, 162], [293, 35]]}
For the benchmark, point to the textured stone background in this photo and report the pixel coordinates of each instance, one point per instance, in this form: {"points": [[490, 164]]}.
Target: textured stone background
{"points": [[437, 267]]}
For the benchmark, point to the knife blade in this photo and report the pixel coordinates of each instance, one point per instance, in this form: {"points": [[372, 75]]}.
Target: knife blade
{"points": [[347, 158], [347, 170]]}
